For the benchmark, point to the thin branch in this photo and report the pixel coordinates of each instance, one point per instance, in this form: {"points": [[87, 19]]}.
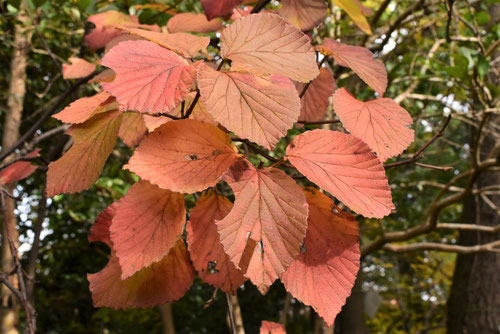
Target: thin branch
{"points": [[231, 314], [441, 168], [420, 246], [328, 121], [304, 90], [5, 280], [259, 6], [469, 227], [256, 149]]}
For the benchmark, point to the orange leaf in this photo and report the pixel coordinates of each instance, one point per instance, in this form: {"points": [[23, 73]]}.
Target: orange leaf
{"points": [[304, 14], [270, 45], [316, 100], [205, 248], [264, 231], [381, 123], [360, 60], [324, 273], [344, 166], [149, 78], [79, 68], [184, 156], [80, 167], [132, 129], [102, 33], [18, 170], [147, 224], [83, 109], [259, 108], [216, 8], [100, 230], [269, 327], [107, 75], [191, 22]]}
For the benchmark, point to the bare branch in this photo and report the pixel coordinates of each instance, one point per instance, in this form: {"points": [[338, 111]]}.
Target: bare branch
{"points": [[489, 247]]}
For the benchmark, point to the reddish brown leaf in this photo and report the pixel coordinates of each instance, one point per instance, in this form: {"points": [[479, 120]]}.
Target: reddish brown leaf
{"points": [[344, 166], [324, 273], [360, 60], [270, 45], [149, 78], [100, 230], [184, 156], [205, 248], [216, 8], [107, 75], [83, 109], [18, 170], [316, 100], [263, 232], [381, 123], [80, 167], [258, 108], [132, 129], [269, 327], [79, 68], [304, 14], [147, 224], [103, 33], [192, 22]]}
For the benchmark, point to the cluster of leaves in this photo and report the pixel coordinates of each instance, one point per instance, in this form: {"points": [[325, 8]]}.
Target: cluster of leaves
{"points": [[164, 84]]}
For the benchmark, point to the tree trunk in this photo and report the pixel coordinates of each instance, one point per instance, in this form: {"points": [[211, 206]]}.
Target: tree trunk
{"points": [[11, 123]]}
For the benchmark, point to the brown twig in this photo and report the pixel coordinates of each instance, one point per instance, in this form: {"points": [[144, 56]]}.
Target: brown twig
{"points": [[419, 246], [259, 6], [256, 149], [230, 313], [304, 90], [328, 121]]}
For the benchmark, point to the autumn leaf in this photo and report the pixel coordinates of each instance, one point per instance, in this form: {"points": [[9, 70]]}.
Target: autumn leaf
{"points": [[259, 108], [79, 68], [205, 248], [316, 100], [216, 8], [132, 129], [149, 78], [107, 75], [102, 34], [191, 22], [270, 45], [344, 166], [323, 274], [381, 123], [147, 224], [264, 231], [269, 327], [84, 108], [357, 13], [80, 167], [360, 60], [184, 156], [304, 14], [18, 170]]}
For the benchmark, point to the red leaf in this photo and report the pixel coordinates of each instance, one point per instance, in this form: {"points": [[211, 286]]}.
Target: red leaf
{"points": [[79, 68], [344, 166], [80, 167], [83, 109], [381, 123], [269, 327], [18, 170], [316, 100], [263, 232], [360, 60], [191, 22], [324, 273], [304, 14], [100, 230], [259, 108], [147, 224], [184, 156], [205, 248], [102, 33], [132, 129], [149, 78], [216, 8], [270, 45]]}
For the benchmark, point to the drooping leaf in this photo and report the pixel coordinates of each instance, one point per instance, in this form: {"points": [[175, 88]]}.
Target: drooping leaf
{"points": [[18, 170], [216, 8], [357, 13], [381, 123], [149, 78], [184, 156], [259, 108], [270, 45], [360, 60], [84, 108], [147, 224], [187, 45], [304, 14], [132, 129], [324, 273], [205, 248], [80, 167], [316, 100], [264, 231], [344, 166], [100, 230], [102, 34], [79, 68], [269, 327], [191, 22]]}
